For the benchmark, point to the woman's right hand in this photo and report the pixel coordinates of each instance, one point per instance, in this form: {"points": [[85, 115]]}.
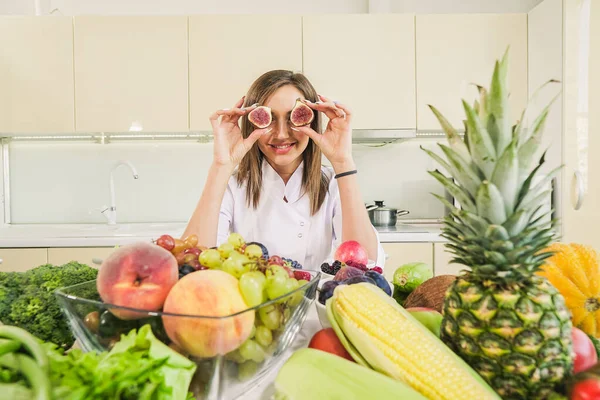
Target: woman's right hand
{"points": [[229, 145]]}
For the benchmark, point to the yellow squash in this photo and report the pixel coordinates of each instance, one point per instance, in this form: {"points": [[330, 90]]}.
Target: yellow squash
{"points": [[574, 270]]}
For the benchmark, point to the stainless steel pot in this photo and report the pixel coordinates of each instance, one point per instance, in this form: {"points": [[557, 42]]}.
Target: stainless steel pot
{"points": [[380, 215]]}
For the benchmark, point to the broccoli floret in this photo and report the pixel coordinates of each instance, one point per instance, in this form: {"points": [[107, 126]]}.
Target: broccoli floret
{"points": [[27, 299]]}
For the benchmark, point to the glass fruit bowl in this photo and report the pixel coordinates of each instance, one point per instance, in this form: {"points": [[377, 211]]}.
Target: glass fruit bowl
{"points": [[232, 352]]}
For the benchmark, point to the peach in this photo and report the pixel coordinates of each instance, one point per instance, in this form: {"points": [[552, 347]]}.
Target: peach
{"points": [[138, 275], [208, 295]]}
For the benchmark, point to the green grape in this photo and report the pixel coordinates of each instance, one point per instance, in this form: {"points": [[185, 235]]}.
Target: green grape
{"points": [[270, 316], [225, 249], [253, 251], [276, 270], [233, 267], [251, 350], [235, 356], [247, 370], [263, 336], [236, 240], [253, 332], [210, 258], [276, 286], [302, 282], [252, 286], [287, 313]]}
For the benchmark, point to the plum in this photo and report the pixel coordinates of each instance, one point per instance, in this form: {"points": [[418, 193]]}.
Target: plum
{"points": [[327, 289], [359, 279], [380, 281], [346, 273]]}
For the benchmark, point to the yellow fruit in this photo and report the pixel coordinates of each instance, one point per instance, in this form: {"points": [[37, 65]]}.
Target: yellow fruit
{"points": [[574, 270]]}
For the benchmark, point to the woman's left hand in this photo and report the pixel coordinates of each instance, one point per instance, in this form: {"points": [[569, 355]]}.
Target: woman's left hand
{"points": [[336, 141]]}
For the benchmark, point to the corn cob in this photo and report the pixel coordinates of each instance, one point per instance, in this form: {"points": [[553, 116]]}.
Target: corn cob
{"points": [[393, 342]]}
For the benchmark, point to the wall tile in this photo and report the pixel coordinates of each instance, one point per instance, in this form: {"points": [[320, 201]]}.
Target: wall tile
{"points": [[60, 182]]}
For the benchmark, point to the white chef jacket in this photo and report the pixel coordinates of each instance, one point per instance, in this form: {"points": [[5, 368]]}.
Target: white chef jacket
{"points": [[287, 229]]}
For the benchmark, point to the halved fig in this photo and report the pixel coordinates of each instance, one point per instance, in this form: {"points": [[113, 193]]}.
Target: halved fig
{"points": [[260, 117], [301, 114]]}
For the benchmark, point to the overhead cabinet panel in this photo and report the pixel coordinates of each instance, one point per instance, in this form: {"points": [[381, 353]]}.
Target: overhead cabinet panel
{"points": [[229, 52], [456, 51], [366, 62], [131, 73], [36, 74]]}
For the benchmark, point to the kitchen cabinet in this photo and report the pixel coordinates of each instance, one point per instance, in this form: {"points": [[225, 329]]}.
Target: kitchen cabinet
{"points": [[228, 52], [453, 51], [91, 256], [23, 259], [441, 261], [399, 254], [366, 62], [36, 75], [131, 73], [581, 134]]}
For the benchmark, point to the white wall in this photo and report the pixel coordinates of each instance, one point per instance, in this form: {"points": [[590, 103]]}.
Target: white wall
{"points": [[545, 62], [58, 182], [112, 7]]}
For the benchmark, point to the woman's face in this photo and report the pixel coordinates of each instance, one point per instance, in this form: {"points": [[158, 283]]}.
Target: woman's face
{"points": [[282, 146]]}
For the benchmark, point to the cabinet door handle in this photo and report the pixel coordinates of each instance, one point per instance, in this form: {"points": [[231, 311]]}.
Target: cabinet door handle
{"points": [[1, 260], [577, 192], [97, 261]]}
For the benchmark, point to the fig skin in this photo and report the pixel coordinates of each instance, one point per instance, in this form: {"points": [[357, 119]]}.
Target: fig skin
{"points": [[260, 117], [301, 114]]}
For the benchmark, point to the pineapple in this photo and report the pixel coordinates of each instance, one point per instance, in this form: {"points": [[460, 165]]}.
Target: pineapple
{"points": [[510, 324]]}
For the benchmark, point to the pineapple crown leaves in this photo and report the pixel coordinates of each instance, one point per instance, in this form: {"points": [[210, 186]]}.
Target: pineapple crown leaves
{"points": [[501, 222]]}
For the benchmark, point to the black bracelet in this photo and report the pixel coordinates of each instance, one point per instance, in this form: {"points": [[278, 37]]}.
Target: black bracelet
{"points": [[346, 173]]}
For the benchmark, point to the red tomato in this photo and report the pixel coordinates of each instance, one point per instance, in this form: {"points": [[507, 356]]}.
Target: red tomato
{"points": [[585, 352], [588, 389], [327, 340]]}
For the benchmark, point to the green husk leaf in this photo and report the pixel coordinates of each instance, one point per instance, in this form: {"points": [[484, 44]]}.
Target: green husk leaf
{"points": [[452, 135], [456, 191], [498, 124], [505, 177], [462, 172], [490, 204], [481, 145]]}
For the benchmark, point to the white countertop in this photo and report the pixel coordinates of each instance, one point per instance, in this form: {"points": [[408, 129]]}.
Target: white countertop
{"points": [[103, 235]]}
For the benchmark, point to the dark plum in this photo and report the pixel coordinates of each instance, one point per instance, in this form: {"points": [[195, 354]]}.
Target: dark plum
{"points": [[347, 273], [359, 279], [380, 281], [326, 290]]}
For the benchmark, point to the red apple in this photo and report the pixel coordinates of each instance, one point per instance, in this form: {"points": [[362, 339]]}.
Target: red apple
{"points": [[352, 250], [138, 275], [585, 352]]}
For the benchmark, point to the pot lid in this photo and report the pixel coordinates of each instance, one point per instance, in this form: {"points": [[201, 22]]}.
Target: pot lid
{"points": [[382, 207]]}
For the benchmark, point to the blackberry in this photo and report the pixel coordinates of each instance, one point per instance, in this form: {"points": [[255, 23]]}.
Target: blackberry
{"points": [[326, 268]]}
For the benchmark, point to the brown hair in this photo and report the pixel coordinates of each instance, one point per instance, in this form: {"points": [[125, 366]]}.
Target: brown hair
{"points": [[314, 182]]}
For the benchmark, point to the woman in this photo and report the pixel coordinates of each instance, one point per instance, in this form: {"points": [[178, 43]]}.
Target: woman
{"points": [[269, 185]]}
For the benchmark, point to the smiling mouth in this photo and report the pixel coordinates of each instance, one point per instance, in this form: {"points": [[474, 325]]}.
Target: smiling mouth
{"points": [[282, 146]]}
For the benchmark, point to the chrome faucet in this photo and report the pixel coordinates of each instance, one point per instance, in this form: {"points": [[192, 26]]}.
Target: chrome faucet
{"points": [[111, 212]]}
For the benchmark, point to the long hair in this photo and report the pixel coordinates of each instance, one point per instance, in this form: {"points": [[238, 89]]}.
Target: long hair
{"points": [[314, 182]]}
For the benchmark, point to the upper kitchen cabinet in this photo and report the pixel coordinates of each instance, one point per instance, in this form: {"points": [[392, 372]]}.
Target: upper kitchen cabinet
{"points": [[36, 75], [228, 52], [366, 62], [131, 73], [454, 51]]}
